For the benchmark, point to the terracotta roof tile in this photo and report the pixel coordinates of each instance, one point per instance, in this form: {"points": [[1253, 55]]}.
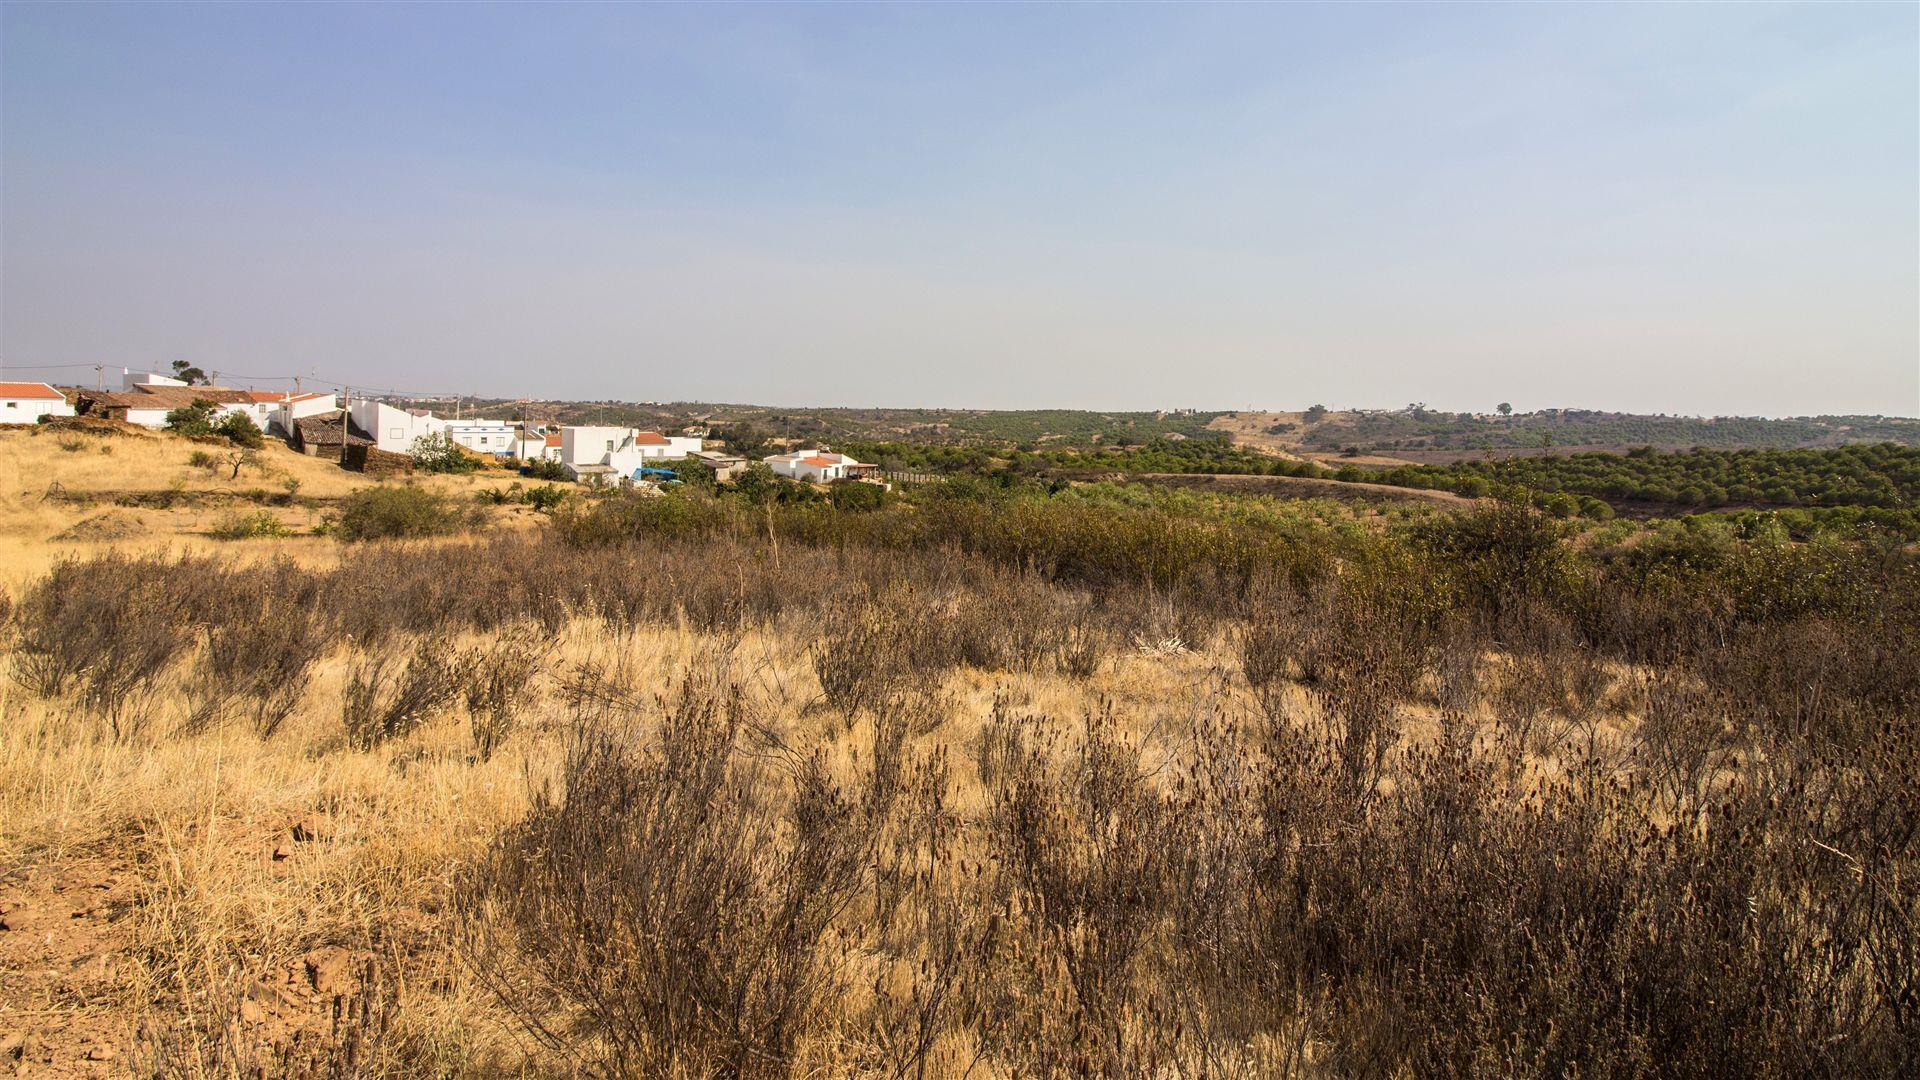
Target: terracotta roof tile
{"points": [[31, 391]]}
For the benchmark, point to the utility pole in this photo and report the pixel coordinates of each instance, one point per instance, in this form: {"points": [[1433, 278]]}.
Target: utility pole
{"points": [[100, 382], [346, 422]]}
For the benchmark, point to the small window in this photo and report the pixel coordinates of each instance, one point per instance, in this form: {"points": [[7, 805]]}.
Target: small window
{"points": [[609, 444], [13, 404], [483, 440]]}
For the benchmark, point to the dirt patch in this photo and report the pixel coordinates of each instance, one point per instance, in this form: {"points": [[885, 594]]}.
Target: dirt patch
{"points": [[102, 528], [65, 942]]}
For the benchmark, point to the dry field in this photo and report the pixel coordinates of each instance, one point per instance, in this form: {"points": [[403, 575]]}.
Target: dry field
{"points": [[1252, 429], [72, 493], [511, 806]]}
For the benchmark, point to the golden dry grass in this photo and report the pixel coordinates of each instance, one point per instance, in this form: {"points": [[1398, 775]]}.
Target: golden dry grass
{"points": [[164, 909], [187, 826], [52, 481]]}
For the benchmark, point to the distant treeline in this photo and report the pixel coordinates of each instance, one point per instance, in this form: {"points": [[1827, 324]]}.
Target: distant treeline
{"points": [[1430, 429], [1877, 484]]}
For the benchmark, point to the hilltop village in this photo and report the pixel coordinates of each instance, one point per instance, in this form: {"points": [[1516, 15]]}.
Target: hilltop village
{"points": [[370, 435]]}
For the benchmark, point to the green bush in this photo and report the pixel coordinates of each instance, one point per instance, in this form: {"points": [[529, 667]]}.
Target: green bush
{"points": [[545, 497], [543, 469], [406, 511], [240, 430], [438, 453], [248, 526], [856, 495], [194, 419]]}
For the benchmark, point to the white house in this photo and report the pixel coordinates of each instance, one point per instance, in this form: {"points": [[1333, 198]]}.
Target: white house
{"points": [[130, 379], [587, 445], [621, 450], [392, 429], [484, 436], [649, 448], [530, 444], [270, 409], [817, 466], [27, 402]]}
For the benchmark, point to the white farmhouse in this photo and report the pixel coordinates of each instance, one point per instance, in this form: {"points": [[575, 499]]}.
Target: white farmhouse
{"points": [[529, 444], [27, 402], [649, 448], [587, 445], [818, 466], [134, 380], [394, 430], [278, 409], [619, 451], [484, 436]]}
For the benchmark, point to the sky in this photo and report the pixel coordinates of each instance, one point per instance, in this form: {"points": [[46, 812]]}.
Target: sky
{"points": [[1688, 208]]}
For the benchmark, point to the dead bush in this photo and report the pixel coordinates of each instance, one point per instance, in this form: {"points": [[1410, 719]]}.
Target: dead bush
{"points": [[860, 659], [497, 680], [385, 700], [667, 912]]}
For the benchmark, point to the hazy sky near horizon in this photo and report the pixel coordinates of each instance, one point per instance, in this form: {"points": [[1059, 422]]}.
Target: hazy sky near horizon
{"points": [[1684, 208]]}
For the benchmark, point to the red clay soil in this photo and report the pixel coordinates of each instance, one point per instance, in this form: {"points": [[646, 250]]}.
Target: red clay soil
{"points": [[65, 942]]}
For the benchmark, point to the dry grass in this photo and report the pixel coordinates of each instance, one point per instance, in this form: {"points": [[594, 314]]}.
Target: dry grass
{"points": [[197, 819], [689, 808], [46, 488]]}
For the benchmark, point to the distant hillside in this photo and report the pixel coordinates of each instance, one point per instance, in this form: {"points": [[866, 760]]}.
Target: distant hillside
{"points": [[945, 427], [1431, 435], [1382, 438]]}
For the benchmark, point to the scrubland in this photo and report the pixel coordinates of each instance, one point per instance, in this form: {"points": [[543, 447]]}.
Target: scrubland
{"points": [[978, 784]]}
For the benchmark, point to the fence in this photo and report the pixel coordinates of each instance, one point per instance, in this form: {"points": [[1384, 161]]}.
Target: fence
{"points": [[910, 477]]}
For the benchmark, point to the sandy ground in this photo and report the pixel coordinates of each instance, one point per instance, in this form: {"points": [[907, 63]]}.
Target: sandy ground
{"points": [[1251, 429]]}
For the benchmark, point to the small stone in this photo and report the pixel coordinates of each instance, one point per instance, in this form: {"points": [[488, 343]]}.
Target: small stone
{"points": [[102, 1053], [284, 851], [306, 830], [13, 1046], [251, 1013], [328, 970]]}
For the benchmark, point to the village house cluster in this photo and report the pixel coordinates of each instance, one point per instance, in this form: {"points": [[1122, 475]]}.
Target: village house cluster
{"points": [[316, 424]]}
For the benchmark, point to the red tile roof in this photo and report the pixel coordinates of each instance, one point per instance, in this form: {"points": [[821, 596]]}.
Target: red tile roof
{"points": [[649, 438], [31, 391], [170, 397], [553, 439], [829, 459]]}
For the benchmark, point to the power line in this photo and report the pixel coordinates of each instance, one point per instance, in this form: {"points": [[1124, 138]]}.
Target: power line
{"points": [[383, 391]]}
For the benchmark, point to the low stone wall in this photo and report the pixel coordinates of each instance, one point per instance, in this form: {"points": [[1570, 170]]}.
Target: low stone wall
{"points": [[377, 462]]}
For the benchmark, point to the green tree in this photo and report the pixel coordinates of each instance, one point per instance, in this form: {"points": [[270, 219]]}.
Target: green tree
{"points": [[693, 472], [1315, 413], [756, 482], [438, 453], [745, 440], [189, 374], [1506, 408], [856, 495], [240, 430], [194, 419]]}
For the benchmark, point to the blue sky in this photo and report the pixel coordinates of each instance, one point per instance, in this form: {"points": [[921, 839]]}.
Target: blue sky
{"points": [[1687, 208]]}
